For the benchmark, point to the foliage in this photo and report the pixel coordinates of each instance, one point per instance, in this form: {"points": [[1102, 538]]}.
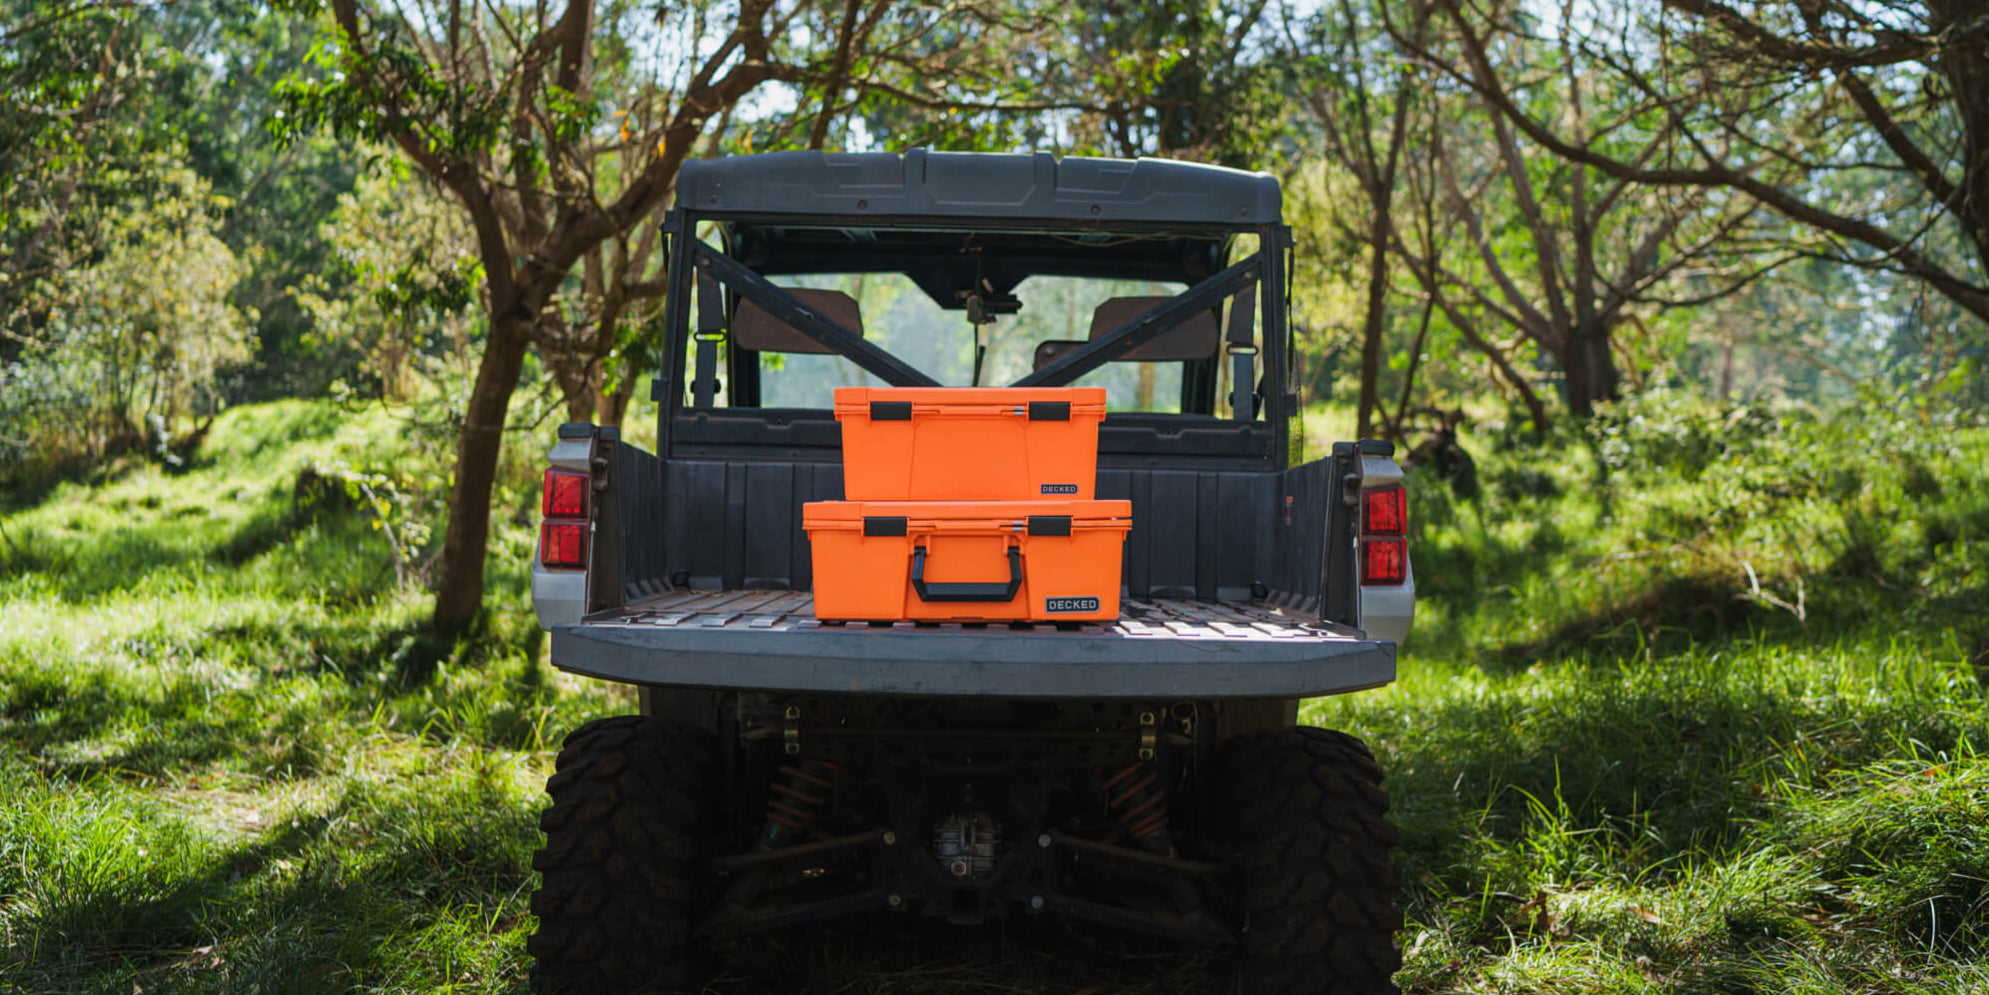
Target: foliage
{"points": [[1776, 520], [220, 766], [1479, 191], [405, 277], [1696, 700], [1695, 696], [74, 98], [133, 130], [1099, 77], [142, 333]]}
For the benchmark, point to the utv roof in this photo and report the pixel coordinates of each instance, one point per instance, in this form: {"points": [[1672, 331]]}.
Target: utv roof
{"points": [[1074, 191]]}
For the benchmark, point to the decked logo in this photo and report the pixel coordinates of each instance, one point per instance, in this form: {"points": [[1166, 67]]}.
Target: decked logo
{"points": [[1059, 606], [1060, 488]]}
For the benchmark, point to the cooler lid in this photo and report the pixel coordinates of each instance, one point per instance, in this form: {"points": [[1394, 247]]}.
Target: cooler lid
{"points": [[1036, 517], [1039, 403]]}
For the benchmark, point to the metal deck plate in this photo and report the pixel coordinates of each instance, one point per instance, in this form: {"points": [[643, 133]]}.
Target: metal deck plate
{"points": [[785, 610], [771, 641]]}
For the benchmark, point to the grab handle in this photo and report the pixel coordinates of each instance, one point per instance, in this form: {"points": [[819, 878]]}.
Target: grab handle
{"points": [[973, 591]]}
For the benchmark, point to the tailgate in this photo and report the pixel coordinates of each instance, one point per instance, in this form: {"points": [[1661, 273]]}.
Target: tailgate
{"points": [[771, 641]]}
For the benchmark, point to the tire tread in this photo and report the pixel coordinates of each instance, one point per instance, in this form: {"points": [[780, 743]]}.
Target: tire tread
{"points": [[617, 869], [1305, 809]]}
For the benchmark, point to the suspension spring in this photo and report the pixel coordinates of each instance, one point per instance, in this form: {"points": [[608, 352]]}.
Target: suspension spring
{"points": [[796, 797], [1134, 798]]}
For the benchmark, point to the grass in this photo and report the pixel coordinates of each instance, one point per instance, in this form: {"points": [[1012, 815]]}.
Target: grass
{"points": [[1694, 704], [217, 772]]}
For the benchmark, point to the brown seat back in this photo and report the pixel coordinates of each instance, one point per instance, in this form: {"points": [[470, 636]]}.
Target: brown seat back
{"points": [[1050, 350], [753, 328], [1194, 338]]}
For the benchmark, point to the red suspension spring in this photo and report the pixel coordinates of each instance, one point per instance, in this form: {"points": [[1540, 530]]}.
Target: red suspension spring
{"points": [[796, 797], [1135, 799]]}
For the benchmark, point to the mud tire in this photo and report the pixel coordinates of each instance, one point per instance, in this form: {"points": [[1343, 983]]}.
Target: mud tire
{"points": [[1315, 889], [619, 863]]}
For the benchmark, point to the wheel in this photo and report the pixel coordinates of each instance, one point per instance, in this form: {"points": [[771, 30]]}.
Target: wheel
{"points": [[618, 868], [1316, 890]]}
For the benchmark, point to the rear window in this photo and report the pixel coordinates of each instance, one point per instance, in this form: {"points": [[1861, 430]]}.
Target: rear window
{"points": [[902, 319]]}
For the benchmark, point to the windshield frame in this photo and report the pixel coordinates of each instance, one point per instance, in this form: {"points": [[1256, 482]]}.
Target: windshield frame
{"points": [[1268, 269]]}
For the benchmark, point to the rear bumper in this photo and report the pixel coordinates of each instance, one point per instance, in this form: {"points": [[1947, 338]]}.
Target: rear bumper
{"points": [[995, 661]]}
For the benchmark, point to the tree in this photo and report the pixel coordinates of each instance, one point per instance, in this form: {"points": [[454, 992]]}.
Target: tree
{"points": [[1171, 79], [1429, 237], [1332, 55], [106, 104], [1894, 91], [121, 217], [500, 107], [66, 78], [1094, 77], [401, 279], [1597, 247], [561, 141], [139, 334]]}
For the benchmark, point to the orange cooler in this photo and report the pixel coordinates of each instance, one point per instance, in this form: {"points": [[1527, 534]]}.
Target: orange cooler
{"points": [[967, 561], [970, 443]]}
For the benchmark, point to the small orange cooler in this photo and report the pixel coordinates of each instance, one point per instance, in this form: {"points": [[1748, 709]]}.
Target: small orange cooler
{"points": [[967, 561], [970, 443]]}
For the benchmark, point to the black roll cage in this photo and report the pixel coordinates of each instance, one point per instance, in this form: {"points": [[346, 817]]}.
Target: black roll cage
{"points": [[694, 266]]}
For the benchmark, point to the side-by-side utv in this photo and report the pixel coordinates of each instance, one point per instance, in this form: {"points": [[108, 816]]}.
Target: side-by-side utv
{"points": [[1145, 773]]}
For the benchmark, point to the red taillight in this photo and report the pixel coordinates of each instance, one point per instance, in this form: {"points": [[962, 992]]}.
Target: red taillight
{"points": [[565, 494], [1385, 511], [563, 544], [1384, 561]]}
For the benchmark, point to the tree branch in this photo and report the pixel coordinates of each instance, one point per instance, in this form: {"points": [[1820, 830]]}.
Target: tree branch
{"points": [[1482, 80], [1897, 47]]}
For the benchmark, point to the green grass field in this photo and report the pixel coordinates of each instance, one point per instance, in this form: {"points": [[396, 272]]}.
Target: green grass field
{"points": [[1694, 703]]}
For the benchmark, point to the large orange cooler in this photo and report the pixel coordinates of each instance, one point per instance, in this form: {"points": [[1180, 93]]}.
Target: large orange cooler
{"points": [[970, 443], [967, 561]]}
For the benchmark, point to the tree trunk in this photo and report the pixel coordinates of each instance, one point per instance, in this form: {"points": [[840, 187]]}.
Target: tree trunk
{"points": [[1967, 71], [1409, 376], [583, 398], [1591, 370], [1377, 313], [459, 595], [1726, 369], [614, 403]]}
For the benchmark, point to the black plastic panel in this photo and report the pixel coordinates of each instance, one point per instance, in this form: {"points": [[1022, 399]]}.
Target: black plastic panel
{"points": [[636, 496], [1312, 541], [773, 432], [1204, 534], [1142, 440], [934, 185], [738, 524], [1196, 534], [1299, 535]]}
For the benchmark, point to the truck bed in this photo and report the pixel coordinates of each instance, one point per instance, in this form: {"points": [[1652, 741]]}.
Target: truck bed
{"points": [[770, 641]]}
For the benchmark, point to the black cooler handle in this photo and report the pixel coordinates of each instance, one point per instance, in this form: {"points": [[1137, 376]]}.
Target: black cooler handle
{"points": [[992, 591]]}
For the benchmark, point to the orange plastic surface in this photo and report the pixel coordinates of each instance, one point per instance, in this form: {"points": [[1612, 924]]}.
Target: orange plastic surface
{"points": [[970, 444], [1062, 578]]}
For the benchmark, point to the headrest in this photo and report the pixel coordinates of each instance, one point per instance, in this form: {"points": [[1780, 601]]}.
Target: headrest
{"points": [[1194, 338], [753, 328]]}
